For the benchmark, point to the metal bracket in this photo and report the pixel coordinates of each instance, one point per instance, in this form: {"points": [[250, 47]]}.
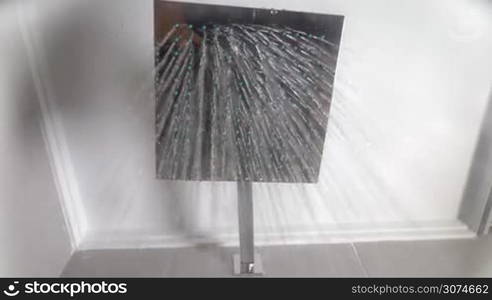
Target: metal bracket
{"points": [[247, 262], [253, 269]]}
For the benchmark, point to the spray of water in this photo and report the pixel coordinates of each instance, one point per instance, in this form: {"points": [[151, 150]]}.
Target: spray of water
{"points": [[242, 103], [251, 102]]}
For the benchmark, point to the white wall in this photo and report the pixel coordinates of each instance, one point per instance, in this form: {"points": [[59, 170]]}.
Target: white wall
{"points": [[34, 240], [412, 85]]}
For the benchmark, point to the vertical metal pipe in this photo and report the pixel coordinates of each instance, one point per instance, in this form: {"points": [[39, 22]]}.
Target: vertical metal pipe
{"points": [[246, 227]]}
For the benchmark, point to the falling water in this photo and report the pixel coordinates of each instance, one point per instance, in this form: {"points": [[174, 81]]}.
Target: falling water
{"points": [[242, 102], [251, 102]]}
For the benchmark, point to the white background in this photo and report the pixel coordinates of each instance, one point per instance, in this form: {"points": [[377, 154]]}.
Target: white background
{"points": [[412, 84]]}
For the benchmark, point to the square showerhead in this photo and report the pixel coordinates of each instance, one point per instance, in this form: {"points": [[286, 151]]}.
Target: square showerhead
{"points": [[242, 94]]}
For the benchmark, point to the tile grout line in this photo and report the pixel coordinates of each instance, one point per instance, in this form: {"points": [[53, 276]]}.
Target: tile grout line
{"points": [[359, 260]]}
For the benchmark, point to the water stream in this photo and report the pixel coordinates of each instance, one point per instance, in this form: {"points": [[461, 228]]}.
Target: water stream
{"points": [[242, 102]]}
